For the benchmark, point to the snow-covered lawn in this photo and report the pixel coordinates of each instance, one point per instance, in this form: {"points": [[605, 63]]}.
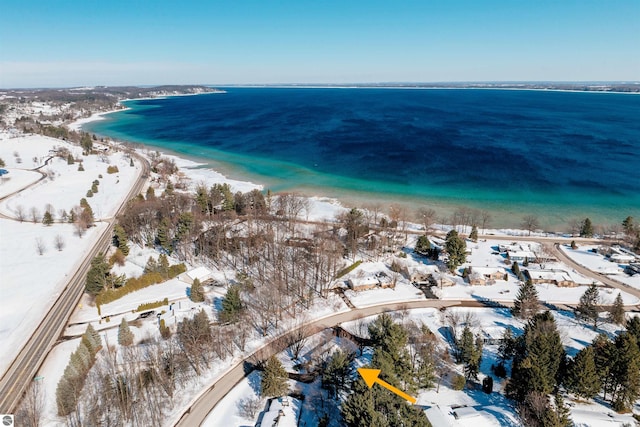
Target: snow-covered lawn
{"points": [[402, 292], [227, 413], [600, 264], [507, 291], [17, 179]]}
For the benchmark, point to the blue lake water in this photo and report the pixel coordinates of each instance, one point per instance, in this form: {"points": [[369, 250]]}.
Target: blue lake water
{"points": [[559, 155]]}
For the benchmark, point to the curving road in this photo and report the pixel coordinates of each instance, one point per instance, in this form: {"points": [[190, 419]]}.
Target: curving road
{"points": [[202, 405], [26, 364]]}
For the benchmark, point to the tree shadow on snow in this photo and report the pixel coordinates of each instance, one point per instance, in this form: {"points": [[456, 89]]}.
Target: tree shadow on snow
{"points": [[253, 377]]}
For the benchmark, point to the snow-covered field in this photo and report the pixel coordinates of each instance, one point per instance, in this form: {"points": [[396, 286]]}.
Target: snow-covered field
{"points": [[31, 282], [17, 179], [600, 264], [65, 184]]}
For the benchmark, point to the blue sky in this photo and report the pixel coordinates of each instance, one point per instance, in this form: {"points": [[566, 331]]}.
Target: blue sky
{"points": [[90, 42]]}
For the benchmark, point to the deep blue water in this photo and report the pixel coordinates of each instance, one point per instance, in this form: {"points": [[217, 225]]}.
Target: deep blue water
{"points": [[558, 154]]}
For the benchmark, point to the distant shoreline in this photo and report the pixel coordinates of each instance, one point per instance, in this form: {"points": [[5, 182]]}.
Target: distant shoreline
{"points": [[600, 88]]}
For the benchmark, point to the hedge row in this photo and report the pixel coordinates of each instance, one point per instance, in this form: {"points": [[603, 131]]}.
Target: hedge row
{"points": [[136, 283], [151, 305], [347, 270]]}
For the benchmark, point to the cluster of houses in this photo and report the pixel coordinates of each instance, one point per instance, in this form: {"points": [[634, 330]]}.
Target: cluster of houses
{"points": [[376, 275], [618, 255]]}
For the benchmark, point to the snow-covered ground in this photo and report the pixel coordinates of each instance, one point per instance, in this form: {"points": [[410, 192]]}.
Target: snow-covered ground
{"points": [[600, 264], [65, 184], [228, 413], [31, 282], [17, 179], [402, 292]]}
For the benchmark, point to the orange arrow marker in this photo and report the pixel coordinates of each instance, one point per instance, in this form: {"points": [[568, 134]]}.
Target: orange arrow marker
{"points": [[370, 376]]}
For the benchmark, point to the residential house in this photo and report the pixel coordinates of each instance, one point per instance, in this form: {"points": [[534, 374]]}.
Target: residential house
{"points": [[201, 273], [485, 275], [554, 276]]}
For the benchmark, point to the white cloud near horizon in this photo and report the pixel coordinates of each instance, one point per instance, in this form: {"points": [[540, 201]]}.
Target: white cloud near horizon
{"points": [[41, 74], [69, 74]]}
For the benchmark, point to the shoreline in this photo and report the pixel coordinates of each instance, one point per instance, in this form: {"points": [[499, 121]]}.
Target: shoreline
{"points": [[505, 214]]}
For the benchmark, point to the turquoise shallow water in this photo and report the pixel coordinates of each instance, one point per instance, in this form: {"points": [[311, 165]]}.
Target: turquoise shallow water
{"points": [[557, 155]]}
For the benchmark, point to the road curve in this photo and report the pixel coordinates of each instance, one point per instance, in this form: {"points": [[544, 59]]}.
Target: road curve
{"points": [[594, 275], [202, 405], [26, 364]]}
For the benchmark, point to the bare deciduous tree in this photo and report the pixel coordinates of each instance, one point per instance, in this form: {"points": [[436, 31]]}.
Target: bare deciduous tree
{"points": [[32, 405], [35, 215], [40, 247], [58, 242], [249, 407], [485, 217], [530, 223], [20, 213], [426, 217]]}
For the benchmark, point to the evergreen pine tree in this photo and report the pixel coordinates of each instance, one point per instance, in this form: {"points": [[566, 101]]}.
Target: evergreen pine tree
{"points": [[93, 338], [526, 303], [197, 293], [616, 313], [456, 249], [471, 354], [582, 375], [151, 193], [588, 307], [377, 407], [515, 269], [97, 275], [274, 379], [563, 413], [586, 230], [604, 354], [47, 218], [625, 372], [389, 341], [120, 239], [163, 266], [131, 162], [163, 239], [422, 245], [336, 373], [125, 336], [633, 327], [539, 359], [473, 236], [231, 305]]}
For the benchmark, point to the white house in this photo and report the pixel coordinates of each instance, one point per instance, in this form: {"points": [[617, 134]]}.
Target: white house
{"points": [[201, 273]]}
